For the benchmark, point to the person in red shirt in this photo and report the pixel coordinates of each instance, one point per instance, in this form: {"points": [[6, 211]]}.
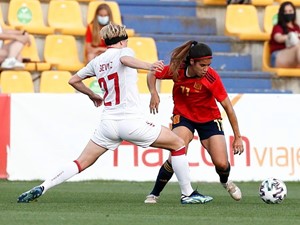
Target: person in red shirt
{"points": [[196, 88], [284, 42], [94, 44]]}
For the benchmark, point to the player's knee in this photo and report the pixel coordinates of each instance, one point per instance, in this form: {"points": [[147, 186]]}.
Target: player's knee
{"points": [[179, 143], [222, 166]]}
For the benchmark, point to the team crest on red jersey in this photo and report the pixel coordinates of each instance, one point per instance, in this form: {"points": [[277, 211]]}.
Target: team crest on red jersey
{"points": [[197, 86]]}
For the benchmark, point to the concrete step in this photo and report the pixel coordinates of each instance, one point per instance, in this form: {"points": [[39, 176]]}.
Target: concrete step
{"points": [[221, 61], [158, 7], [169, 46], [171, 25], [258, 91], [247, 83], [246, 74]]}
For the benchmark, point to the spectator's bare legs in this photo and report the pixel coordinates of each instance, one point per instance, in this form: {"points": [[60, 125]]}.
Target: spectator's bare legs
{"points": [[14, 49], [10, 56], [288, 58]]}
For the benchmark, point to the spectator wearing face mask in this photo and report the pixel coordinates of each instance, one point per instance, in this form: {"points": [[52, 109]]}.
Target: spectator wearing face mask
{"points": [[94, 44], [284, 42]]}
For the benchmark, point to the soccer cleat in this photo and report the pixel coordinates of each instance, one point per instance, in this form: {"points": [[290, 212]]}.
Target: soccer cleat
{"points": [[195, 198], [233, 190], [152, 199], [31, 195]]}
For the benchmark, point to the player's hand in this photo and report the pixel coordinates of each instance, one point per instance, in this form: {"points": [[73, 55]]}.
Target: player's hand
{"points": [[96, 99], [154, 102], [237, 145], [157, 66]]}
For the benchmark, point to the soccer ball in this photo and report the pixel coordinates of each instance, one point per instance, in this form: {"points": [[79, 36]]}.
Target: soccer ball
{"points": [[272, 191]]}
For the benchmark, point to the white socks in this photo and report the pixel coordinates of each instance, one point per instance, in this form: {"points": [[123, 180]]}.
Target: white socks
{"points": [[181, 169], [65, 173]]}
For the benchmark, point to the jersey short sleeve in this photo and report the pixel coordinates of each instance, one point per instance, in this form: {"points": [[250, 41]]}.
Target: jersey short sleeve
{"points": [[127, 52], [164, 74], [87, 71], [217, 88]]}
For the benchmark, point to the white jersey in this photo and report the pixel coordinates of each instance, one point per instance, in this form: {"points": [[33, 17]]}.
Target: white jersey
{"points": [[119, 83]]}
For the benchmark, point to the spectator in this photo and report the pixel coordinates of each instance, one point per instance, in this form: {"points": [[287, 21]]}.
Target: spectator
{"points": [[94, 44], [10, 51], [284, 47]]}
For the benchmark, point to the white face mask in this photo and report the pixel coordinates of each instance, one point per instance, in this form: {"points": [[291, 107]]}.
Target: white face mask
{"points": [[103, 20]]}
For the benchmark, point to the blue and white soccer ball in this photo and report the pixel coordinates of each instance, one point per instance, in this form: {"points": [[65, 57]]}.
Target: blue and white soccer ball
{"points": [[272, 191]]}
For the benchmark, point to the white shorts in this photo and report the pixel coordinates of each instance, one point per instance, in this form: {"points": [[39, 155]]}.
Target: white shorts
{"points": [[140, 132]]}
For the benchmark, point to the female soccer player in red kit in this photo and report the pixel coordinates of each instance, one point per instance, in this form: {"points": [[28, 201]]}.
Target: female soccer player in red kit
{"points": [[196, 88]]}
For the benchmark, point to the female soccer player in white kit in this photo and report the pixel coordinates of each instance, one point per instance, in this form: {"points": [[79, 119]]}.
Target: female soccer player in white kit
{"points": [[122, 116]]}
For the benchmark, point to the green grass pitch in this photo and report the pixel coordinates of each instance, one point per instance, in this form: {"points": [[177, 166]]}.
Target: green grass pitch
{"points": [[121, 203]]}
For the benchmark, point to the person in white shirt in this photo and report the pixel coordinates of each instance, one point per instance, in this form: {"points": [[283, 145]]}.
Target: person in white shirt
{"points": [[11, 44], [122, 116]]}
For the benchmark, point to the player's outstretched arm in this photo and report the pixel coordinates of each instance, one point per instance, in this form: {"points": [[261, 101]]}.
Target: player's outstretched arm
{"points": [[154, 101], [139, 64]]}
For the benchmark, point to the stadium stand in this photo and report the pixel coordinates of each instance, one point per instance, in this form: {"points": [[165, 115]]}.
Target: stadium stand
{"points": [[253, 2], [62, 53], [142, 82], [55, 82], [16, 82], [65, 17], [30, 52], [282, 72], [169, 23], [270, 17], [28, 15], [166, 86], [242, 21], [169, 30], [114, 6], [89, 81], [144, 48]]}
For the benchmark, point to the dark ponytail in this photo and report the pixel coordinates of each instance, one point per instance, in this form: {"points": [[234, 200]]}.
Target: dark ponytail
{"points": [[179, 56], [185, 52]]}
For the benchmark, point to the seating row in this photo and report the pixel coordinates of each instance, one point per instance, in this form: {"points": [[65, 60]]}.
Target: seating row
{"points": [[253, 2], [57, 82], [61, 53], [63, 17], [242, 21]]}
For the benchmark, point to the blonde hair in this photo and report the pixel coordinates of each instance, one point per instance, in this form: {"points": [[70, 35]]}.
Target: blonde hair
{"points": [[113, 31], [96, 27]]}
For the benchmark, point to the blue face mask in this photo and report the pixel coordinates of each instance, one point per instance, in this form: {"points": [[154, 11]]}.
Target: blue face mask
{"points": [[103, 20]]}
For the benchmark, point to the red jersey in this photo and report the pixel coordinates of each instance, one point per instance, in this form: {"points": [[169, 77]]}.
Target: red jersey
{"points": [[89, 38], [274, 45], [195, 98]]}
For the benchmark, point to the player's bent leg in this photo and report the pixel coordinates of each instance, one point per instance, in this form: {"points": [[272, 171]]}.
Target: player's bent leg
{"points": [[216, 147], [168, 140], [89, 155], [179, 163]]}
